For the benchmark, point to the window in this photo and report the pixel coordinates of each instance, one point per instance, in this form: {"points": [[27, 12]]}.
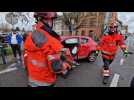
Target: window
{"points": [[92, 24], [82, 32], [84, 23], [77, 32], [91, 13], [84, 40], [71, 41]]}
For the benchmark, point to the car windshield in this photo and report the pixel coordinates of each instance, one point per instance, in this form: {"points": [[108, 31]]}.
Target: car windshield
{"points": [[71, 41]]}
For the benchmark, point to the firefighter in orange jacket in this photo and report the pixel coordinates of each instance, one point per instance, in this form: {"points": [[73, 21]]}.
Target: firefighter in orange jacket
{"points": [[108, 46], [38, 45]]}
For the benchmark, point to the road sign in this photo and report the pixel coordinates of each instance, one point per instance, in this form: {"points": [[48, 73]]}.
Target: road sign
{"points": [[11, 18]]}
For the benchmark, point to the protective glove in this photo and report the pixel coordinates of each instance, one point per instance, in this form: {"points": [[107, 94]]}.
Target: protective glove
{"points": [[125, 53], [97, 52], [50, 57]]}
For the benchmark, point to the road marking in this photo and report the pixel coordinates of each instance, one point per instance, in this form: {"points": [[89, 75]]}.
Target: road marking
{"points": [[12, 65], [115, 80], [8, 70]]}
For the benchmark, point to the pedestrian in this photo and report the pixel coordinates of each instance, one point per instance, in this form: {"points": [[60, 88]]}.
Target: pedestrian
{"points": [[3, 52], [108, 46], [38, 45], [15, 40]]}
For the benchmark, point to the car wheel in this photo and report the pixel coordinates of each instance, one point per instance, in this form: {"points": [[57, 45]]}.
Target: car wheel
{"points": [[92, 57]]}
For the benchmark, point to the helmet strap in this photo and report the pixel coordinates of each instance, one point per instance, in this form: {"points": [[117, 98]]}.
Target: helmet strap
{"points": [[111, 33], [48, 24]]}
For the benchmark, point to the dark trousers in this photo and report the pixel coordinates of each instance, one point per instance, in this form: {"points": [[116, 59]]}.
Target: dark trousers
{"points": [[3, 55], [107, 63], [16, 48]]}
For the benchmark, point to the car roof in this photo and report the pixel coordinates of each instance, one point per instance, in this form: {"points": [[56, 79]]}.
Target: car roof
{"points": [[63, 38]]}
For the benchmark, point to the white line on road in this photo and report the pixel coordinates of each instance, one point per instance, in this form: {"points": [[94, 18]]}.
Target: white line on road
{"points": [[8, 70], [115, 80], [12, 65]]}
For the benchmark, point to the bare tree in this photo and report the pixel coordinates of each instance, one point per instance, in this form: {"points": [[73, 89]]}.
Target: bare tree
{"points": [[73, 20], [5, 28]]}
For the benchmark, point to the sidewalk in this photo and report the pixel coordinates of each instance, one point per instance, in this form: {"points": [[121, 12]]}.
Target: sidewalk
{"points": [[9, 60]]}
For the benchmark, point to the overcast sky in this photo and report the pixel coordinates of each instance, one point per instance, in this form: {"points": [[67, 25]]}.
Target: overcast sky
{"points": [[127, 18]]}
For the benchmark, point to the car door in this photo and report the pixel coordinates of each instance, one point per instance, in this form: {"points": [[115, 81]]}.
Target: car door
{"points": [[71, 42], [83, 48]]}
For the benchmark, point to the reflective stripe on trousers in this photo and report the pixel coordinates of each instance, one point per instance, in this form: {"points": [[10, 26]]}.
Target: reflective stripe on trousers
{"points": [[106, 73]]}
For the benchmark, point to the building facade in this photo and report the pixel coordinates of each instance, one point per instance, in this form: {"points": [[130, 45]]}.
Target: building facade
{"points": [[60, 27], [124, 29], [92, 23]]}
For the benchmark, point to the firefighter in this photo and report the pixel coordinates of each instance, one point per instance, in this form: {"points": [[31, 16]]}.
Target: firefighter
{"points": [[38, 45], [108, 46]]}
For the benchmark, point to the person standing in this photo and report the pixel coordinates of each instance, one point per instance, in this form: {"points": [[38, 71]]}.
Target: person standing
{"points": [[15, 39], [38, 45]]}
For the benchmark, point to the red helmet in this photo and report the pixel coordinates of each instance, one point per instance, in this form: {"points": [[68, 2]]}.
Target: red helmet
{"points": [[46, 15], [113, 28], [113, 25]]}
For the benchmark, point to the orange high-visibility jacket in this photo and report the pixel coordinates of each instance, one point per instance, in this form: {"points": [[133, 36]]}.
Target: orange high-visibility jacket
{"points": [[109, 45], [38, 67]]}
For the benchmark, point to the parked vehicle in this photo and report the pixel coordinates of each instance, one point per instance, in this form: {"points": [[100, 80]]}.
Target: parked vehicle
{"points": [[86, 46]]}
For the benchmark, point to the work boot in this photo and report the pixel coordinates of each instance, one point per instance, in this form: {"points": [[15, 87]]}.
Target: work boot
{"points": [[76, 63], [105, 79], [106, 75]]}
